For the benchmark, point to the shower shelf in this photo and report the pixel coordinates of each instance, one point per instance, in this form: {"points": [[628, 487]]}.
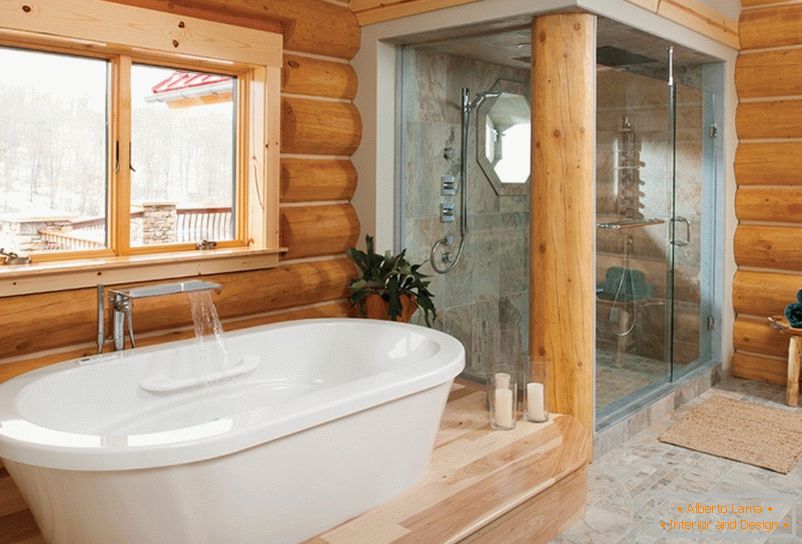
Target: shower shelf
{"points": [[629, 224]]}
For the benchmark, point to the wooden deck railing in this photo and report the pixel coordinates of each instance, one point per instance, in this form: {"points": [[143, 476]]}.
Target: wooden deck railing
{"points": [[196, 224], [192, 225]]}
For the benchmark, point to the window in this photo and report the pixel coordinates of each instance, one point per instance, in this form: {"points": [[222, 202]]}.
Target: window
{"points": [[53, 148], [156, 144], [183, 151]]}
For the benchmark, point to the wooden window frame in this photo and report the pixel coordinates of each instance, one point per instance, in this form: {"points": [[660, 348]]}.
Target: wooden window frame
{"points": [[124, 35]]}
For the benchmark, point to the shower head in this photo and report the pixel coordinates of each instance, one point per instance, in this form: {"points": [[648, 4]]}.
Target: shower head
{"points": [[479, 98]]}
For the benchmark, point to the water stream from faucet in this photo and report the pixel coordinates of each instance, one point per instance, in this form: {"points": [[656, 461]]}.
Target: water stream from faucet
{"points": [[208, 333]]}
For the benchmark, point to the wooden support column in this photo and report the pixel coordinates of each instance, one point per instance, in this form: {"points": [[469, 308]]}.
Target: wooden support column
{"points": [[563, 210]]}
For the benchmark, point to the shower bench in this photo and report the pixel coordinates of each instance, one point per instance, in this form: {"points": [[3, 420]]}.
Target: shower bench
{"points": [[517, 487]]}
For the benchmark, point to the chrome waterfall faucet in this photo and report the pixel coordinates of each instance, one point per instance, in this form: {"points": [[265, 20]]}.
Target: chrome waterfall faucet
{"points": [[122, 301]]}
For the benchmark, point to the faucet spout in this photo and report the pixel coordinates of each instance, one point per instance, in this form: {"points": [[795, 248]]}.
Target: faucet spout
{"points": [[122, 302]]}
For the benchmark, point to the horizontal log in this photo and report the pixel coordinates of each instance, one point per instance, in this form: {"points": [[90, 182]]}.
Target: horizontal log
{"points": [[310, 26], [774, 163], [304, 180], [757, 336], [771, 27], [779, 204], [316, 127], [769, 73], [764, 294], [314, 77], [311, 231], [338, 308], [71, 315], [778, 119], [769, 247], [759, 368]]}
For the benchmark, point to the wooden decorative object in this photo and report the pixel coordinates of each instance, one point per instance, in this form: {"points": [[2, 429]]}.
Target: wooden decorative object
{"points": [[563, 176], [794, 358]]}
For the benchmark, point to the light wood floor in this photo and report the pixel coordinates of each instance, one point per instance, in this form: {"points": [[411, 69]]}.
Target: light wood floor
{"points": [[484, 486]]}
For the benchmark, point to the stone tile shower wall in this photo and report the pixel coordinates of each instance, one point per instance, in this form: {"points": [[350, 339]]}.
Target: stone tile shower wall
{"points": [[645, 102], [487, 292]]}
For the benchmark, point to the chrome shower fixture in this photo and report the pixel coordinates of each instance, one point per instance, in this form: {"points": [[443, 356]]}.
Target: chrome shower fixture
{"points": [[448, 259]]}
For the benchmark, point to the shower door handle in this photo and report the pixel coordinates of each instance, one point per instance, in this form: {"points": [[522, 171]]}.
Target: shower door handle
{"points": [[687, 240]]}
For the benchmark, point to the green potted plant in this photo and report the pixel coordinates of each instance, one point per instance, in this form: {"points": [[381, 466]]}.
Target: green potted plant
{"points": [[389, 287]]}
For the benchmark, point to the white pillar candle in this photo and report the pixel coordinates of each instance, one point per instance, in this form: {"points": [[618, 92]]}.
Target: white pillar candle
{"points": [[503, 407], [535, 402], [502, 380]]}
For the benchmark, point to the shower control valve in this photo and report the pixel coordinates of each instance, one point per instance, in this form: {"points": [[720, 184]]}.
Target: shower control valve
{"points": [[448, 186], [447, 212]]}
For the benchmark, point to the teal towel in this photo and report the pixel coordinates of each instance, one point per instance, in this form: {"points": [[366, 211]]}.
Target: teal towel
{"points": [[793, 312], [635, 285]]}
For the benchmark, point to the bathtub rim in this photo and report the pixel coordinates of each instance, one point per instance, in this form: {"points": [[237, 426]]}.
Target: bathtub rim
{"points": [[337, 402]]}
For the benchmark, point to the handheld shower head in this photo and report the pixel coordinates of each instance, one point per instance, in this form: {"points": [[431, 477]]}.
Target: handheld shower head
{"points": [[481, 97]]}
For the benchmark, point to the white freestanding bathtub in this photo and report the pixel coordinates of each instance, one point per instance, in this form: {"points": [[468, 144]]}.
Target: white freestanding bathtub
{"points": [[317, 421]]}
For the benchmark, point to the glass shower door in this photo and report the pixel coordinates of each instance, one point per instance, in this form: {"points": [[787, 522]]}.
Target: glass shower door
{"points": [[636, 141]]}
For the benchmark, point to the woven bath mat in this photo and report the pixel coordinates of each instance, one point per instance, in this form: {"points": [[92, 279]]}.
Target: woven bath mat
{"points": [[741, 431]]}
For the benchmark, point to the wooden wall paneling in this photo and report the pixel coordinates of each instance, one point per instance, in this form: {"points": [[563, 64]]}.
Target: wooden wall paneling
{"points": [[769, 73], [775, 119], [376, 11], [750, 366], [778, 204], [142, 28], [562, 202], [317, 127], [755, 335], [304, 180], [771, 27], [71, 317], [764, 293], [315, 77], [309, 26], [770, 163], [337, 308], [702, 18], [772, 247], [310, 231]]}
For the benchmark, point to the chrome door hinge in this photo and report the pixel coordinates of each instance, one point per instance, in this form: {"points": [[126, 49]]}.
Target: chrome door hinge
{"points": [[711, 322]]}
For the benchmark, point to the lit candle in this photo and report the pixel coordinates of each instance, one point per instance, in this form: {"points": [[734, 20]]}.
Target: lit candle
{"points": [[503, 408], [502, 380], [535, 402]]}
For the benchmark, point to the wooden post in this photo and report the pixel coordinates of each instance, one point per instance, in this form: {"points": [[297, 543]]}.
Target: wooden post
{"points": [[794, 356], [563, 210]]}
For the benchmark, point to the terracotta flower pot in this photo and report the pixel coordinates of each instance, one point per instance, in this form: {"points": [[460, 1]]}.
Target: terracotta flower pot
{"points": [[377, 308]]}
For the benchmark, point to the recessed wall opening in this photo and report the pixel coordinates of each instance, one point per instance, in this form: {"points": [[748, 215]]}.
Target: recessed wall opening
{"points": [[657, 175]]}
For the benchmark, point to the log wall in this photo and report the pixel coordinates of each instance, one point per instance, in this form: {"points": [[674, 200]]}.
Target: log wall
{"points": [[768, 169], [320, 129]]}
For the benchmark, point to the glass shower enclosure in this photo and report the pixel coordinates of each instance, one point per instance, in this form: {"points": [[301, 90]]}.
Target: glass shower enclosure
{"points": [[655, 189], [655, 177]]}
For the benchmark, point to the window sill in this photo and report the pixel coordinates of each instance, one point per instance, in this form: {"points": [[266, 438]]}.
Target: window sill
{"points": [[64, 275]]}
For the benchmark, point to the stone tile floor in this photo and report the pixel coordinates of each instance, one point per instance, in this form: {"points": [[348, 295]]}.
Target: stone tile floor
{"points": [[621, 375], [623, 483]]}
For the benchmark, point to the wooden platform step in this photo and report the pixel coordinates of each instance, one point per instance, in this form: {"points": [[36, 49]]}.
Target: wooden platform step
{"points": [[484, 486]]}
